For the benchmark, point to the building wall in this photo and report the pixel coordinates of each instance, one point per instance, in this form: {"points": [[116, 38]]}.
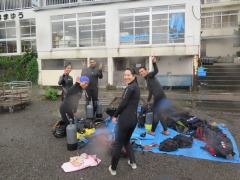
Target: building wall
{"points": [[221, 41], [172, 56], [221, 47]]}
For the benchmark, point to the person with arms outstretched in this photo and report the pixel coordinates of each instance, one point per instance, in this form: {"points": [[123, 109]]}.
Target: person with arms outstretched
{"points": [[162, 107]]}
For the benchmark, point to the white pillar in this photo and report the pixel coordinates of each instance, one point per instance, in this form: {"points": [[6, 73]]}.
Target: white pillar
{"points": [[150, 67], [110, 70], [18, 36]]}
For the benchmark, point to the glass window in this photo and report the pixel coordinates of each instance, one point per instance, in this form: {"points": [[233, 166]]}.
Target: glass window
{"points": [[60, 17], [101, 13], [166, 27], [176, 28], [11, 29], [126, 11], [57, 33], [11, 46], [28, 45], [220, 19], [28, 28], [142, 10], [3, 34], [52, 64], [58, 64], [3, 47], [176, 7], [84, 15], [84, 32], [8, 42], [126, 30], [160, 29], [160, 8], [89, 26], [98, 30], [69, 39], [142, 29]]}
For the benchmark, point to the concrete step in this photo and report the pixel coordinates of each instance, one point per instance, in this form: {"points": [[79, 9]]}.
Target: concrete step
{"points": [[219, 82], [229, 106], [220, 87], [234, 73], [218, 77], [223, 69]]}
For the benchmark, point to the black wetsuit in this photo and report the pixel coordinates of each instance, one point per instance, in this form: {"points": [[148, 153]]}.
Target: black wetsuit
{"points": [[70, 103], [92, 90], [127, 121], [162, 107], [66, 81]]}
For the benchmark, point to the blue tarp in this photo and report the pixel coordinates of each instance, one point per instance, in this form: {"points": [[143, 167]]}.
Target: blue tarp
{"points": [[195, 151]]}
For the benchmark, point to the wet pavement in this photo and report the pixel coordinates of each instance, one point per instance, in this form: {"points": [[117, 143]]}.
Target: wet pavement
{"points": [[28, 150]]}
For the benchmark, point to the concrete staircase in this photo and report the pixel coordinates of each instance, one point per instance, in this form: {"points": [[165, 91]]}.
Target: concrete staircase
{"points": [[221, 77]]}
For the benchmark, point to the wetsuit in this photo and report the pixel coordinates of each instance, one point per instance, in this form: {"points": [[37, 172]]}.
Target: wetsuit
{"points": [[127, 121], [92, 90], [66, 81], [162, 107], [70, 103]]}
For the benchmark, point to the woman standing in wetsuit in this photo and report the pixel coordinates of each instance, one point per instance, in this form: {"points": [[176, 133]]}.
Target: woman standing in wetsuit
{"points": [[127, 121], [65, 80]]}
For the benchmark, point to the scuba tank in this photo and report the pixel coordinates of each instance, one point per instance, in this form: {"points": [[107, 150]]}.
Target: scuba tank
{"points": [[149, 120], [71, 131], [89, 110], [99, 110]]}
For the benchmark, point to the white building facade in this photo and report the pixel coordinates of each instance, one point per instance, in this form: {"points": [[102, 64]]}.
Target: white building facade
{"points": [[219, 19], [119, 34]]}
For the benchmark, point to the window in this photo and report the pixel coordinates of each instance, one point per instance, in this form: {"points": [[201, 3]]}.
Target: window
{"points": [[28, 35], [89, 27], [167, 22], [8, 42], [176, 28], [160, 29], [92, 29], [134, 26], [28, 44], [28, 28], [219, 19], [58, 64]]}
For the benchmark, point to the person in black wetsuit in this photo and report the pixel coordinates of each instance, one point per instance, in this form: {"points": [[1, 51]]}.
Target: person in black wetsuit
{"points": [[70, 103], [65, 80], [127, 121], [93, 73], [162, 107]]}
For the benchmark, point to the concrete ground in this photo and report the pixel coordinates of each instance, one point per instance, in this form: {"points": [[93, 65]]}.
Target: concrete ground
{"points": [[28, 150]]}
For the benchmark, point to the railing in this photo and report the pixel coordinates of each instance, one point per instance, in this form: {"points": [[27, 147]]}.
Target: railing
{"points": [[59, 2], [215, 1], [8, 5]]}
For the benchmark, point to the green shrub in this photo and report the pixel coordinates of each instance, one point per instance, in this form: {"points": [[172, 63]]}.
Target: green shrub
{"points": [[51, 94], [32, 70], [19, 68]]}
